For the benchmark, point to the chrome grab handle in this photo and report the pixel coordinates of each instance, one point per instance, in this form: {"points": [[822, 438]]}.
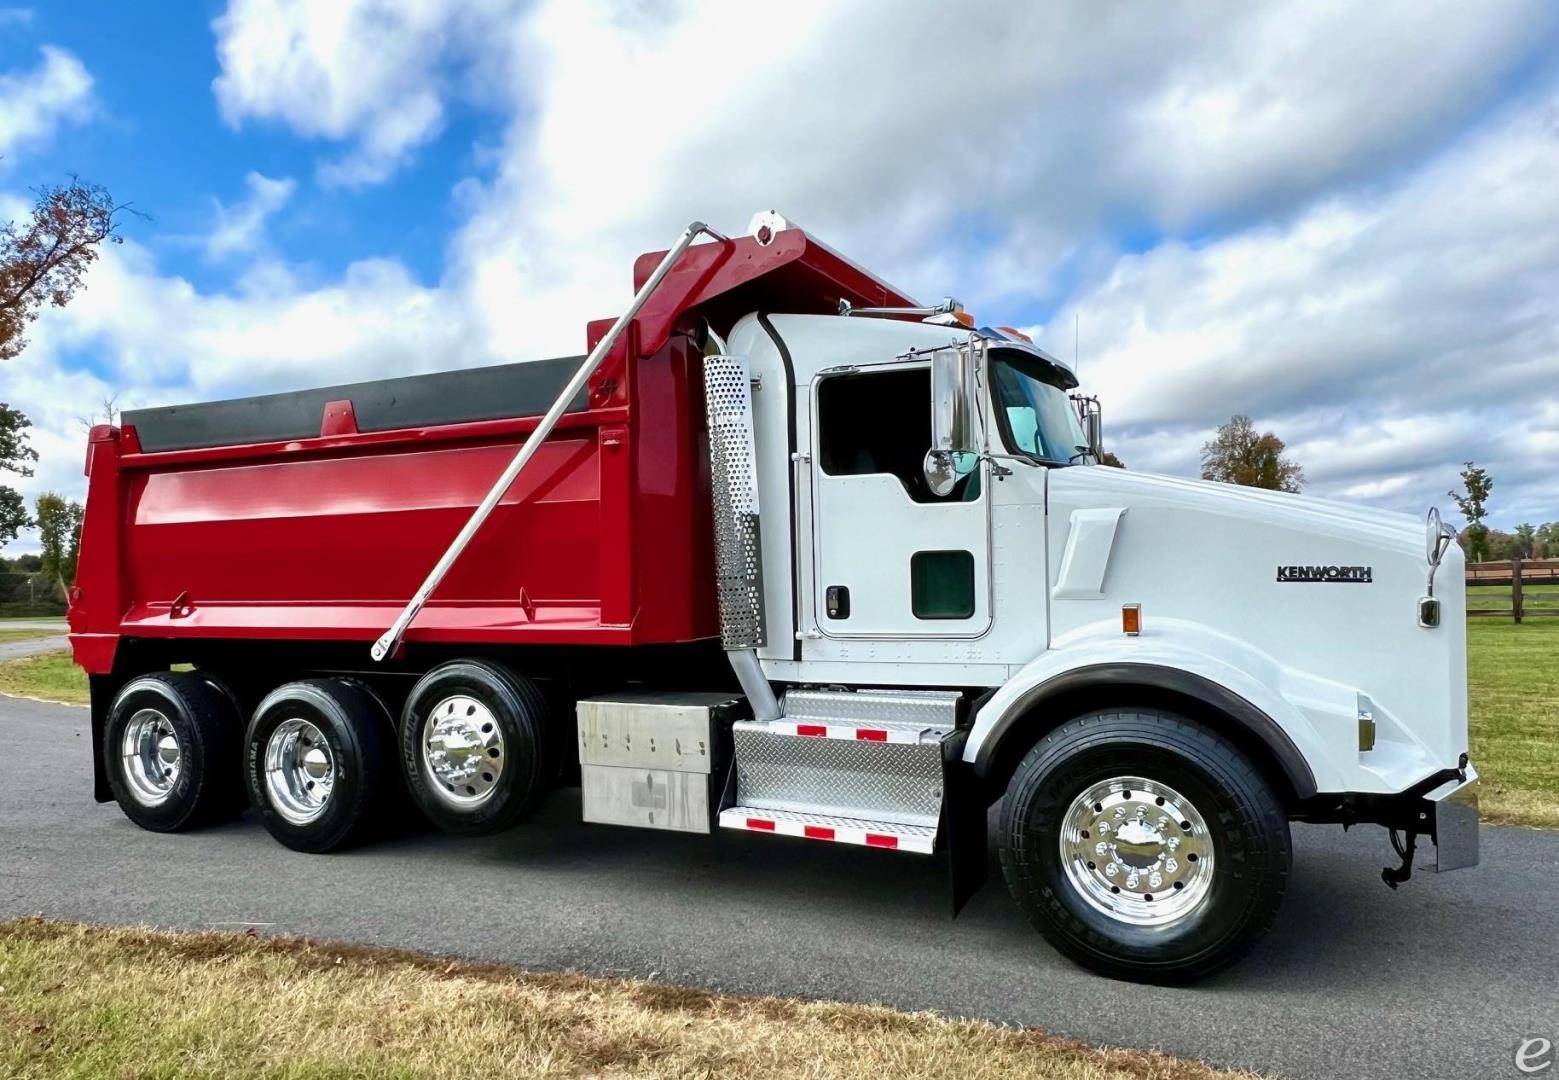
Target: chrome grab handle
{"points": [[390, 640]]}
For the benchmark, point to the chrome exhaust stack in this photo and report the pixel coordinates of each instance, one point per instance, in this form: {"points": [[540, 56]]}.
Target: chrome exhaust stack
{"points": [[738, 552]]}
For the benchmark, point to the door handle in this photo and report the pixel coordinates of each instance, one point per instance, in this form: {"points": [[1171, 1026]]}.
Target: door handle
{"points": [[837, 600]]}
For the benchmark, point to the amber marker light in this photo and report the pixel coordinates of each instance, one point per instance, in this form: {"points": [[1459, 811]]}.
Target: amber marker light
{"points": [[1131, 619]]}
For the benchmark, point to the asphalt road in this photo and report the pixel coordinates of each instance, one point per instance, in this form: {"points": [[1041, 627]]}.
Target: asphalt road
{"points": [[1441, 979], [15, 650]]}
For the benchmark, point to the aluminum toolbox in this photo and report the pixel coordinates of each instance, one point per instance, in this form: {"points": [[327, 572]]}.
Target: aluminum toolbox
{"points": [[648, 759]]}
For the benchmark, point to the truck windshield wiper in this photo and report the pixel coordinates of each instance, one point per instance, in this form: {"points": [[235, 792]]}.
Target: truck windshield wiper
{"points": [[1081, 450]]}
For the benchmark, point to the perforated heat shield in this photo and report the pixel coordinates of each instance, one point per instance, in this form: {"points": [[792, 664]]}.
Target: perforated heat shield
{"points": [[734, 479]]}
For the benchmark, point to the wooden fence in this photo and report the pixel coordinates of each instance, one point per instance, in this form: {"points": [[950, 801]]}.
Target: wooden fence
{"points": [[1533, 585]]}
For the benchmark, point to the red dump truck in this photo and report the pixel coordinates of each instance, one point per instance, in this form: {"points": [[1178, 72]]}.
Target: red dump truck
{"points": [[785, 553]]}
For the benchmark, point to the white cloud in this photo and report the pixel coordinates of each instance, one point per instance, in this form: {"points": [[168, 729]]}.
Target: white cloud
{"points": [[978, 166], [368, 72], [240, 229], [1387, 337], [1387, 304], [165, 340], [35, 103], [156, 339]]}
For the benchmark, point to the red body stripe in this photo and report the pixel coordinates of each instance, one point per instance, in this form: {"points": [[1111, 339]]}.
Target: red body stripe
{"points": [[818, 832], [866, 734], [762, 824], [874, 839], [817, 731]]}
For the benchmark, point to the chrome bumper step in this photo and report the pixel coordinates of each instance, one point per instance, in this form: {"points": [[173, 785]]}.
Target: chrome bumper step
{"points": [[890, 835]]}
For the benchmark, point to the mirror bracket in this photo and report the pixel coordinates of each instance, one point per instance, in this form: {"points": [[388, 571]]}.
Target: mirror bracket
{"points": [[953, 413]]}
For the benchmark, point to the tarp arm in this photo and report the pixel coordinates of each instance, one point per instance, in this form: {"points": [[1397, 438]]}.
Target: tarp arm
{"points": [[389, 641]]}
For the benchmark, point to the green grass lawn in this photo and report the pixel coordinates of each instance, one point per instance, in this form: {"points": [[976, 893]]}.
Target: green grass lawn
{"points": [[1512, 687], [1497, 598], [1513, 692], [52, 676]]}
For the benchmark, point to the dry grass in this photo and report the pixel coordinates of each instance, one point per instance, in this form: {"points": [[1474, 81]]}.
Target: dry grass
{"points": [[85, 1001]]}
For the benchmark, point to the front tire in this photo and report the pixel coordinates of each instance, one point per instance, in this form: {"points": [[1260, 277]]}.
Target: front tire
{"points": [[474, 747], [1144, 845], [316, 766]]}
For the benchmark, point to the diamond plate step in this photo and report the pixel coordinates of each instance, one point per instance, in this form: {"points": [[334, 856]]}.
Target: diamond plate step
{"points": [[929, 709], [784, 766], [893, 836], [879, 731]]}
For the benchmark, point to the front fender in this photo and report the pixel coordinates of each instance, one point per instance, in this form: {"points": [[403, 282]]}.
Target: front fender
{"points": [[1276, 704]]}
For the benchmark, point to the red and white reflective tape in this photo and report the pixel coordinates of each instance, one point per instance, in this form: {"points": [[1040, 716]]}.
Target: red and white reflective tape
{"points": [[851, 732], [918, 841]]}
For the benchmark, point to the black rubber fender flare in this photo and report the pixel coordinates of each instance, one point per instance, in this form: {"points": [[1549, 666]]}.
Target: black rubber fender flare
{"points": [[1116, 676]]}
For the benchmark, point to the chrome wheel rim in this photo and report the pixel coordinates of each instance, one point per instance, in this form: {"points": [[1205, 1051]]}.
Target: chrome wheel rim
{"points": [[1138, 851], [463, 751], [152, 757], [300, 771]]}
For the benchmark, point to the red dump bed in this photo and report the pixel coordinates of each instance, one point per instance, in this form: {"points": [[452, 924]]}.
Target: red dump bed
{"points": [[316, 515]]}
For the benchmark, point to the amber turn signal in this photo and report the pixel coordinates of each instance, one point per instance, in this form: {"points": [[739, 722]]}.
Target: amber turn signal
{"points": [[1131, 619]]}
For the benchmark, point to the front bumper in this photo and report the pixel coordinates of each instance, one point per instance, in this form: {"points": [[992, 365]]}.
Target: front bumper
{"points": [[1452, 813]]}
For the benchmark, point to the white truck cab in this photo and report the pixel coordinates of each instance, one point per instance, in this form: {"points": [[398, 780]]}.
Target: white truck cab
{"points": [[1137, 655]]}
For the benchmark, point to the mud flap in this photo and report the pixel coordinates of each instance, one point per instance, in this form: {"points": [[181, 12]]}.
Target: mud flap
{"points": [[962, 828], [103, 689]]}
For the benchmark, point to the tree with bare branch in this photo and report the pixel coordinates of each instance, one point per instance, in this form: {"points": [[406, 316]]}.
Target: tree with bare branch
{"points": [[45, 258]]}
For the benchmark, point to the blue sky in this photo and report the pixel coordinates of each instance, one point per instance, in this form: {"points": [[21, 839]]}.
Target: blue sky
{"points": [[1341, 219], [158, 137]]}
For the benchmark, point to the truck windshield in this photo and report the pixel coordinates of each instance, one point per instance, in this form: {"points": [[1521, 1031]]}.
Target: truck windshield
{"points": [[1035, 416]]}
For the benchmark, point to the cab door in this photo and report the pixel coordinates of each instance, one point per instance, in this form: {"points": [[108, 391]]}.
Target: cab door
{"points": [[890, 558]]}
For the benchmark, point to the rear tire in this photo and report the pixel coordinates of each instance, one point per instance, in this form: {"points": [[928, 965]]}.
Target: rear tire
{"points": [[316, 765], [1144, 846], [474, 747], [170, 750]]}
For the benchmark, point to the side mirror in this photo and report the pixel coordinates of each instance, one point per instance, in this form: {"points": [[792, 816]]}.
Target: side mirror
{"points": [[1091, 418], [1438, 536], [943, 468], [954, 446]]}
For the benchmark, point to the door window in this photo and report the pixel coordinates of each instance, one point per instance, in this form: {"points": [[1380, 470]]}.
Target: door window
{"points": [[880, 422], [941, 584]]}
